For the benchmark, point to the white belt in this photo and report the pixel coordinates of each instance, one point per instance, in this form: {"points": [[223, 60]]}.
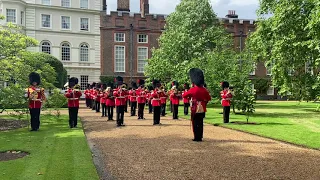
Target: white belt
{"points": [[73, 98], [121, 97]]}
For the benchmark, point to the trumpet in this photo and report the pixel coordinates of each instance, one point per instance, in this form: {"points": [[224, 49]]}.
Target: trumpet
{"points": [[76, 88]]}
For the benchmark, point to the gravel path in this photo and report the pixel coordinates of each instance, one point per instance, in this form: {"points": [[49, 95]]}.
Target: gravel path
{"points": [[143, 151]]}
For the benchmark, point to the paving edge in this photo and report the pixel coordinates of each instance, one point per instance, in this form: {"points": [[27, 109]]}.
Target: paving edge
{"points": [[97, 158]]}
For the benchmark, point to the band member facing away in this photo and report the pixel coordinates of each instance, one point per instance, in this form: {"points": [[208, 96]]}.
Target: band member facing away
{"points": [[186, 101], [93, 96], [133, 98], [110, 101], [175, 96], [87, 96], [199, 98], [103, 100], [156, 102], [36, 96], [163, 99], [120, 95], [142, 93], [73, 94], [150, 99], [226, 96]]}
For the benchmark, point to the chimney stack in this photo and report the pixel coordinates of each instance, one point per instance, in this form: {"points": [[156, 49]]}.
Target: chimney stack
{"points": [[123, 5], [231, 14], [104, 5], [144, 7]]}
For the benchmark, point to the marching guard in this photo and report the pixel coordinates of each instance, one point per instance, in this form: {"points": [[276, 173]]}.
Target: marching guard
{"points": [[142, 92], [87, 96], [120, 95], [93, 96], [36, 96], [110, 101], [97, 97], [149, 97], [175, 98], [156, 102], [103, 100], [133, 98], [199, 98], [73, 94], [163, 100], [186, 101], [226, 96]]}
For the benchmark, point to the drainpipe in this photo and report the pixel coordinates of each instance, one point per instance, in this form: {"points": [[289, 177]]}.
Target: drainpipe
{"points": [[131, 52]]}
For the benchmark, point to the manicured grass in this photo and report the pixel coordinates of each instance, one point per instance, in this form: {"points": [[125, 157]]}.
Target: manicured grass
{"points": [[56, 152], [293, 122]]}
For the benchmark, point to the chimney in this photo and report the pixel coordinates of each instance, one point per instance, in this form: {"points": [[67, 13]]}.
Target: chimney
{"points": [[144, 7], [104, 5], [123, 5], [231, 14]]}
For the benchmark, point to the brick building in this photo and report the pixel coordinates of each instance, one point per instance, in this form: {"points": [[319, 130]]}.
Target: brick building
{"points": [[127, 39]]}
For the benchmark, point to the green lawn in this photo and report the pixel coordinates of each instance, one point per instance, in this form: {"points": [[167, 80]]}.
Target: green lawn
{"points": [[293, 122], [56, 152]]}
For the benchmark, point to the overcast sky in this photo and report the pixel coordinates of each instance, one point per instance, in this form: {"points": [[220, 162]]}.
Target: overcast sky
{"points": [[246, 9]]}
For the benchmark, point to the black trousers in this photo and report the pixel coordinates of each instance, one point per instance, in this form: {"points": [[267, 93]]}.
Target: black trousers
{"points": [[156, 114], [104, 109], [73, 116], [150, 107], [110, 112], [226, 113], [133, 108], [126, 106], [88, 102], [171, 107], [175, 111], [163, 109], [93, 106], [141, 110], [186, 108], [35, 118], [120, 115], [97, 105], [197, 126]]}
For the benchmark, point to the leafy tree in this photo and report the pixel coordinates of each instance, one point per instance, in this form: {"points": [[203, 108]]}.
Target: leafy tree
{"points": [[106, 79], [61, 72], [56, 101], [289, 41]]}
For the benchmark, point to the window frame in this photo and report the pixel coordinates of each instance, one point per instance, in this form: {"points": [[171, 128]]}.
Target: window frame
{"points": [[22, 18], [41, 45], [61, 51], [270, 94], [88, 53], [50, 21], [65, 6], [253, 73], [144, 47], [15, 14], [124, 61], [124, 37], [88, 24], [271, 66], [69, 23], [46, 4], [84, 7], [83, 85], [147, 39]]}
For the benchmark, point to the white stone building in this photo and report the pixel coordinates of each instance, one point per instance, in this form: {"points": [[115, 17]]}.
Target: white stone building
{"points": [[67, 29]]}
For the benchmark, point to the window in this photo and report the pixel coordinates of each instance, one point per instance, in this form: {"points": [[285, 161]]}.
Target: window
{"points": [[65, 52], [22, 18], [270, 91], [269, 69], [84, 4], [84, 80], [65, 3], [254, 70], [119, 59], [45, 21], [46, 2], [142, 38], [65, 22], [119, 37], [308, 68], [84, 52], [46, 47], [84, 24], [142, 58], [11, 16]]}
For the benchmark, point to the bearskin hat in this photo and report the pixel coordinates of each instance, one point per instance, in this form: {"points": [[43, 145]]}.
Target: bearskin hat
{"points": [[134, 85], [73, 81], [150, 88], [224, 84], [88, 86], [118, 80], [186, 86], [141, 82], [34, 77], [110, 84], [156, 83], [104, 86], [196, 76]]}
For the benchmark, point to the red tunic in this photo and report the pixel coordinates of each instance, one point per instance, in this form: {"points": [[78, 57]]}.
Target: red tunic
{"points": [[198, 94], [92, 94], [37, 102], [98, 96], [120, 97], [163, 98], [226, 97], [155, 98], [174, 99], [110, 99], [186, 99], [142, 97], [133, 96], [73, 97], [103, 98], [87, 94]]}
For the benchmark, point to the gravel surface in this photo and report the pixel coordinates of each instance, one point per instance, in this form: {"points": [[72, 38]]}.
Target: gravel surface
{"points": [[143, 151]]}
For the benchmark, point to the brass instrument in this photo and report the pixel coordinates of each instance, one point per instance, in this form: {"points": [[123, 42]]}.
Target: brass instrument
{"points": [[33, 94], [76, 88]]}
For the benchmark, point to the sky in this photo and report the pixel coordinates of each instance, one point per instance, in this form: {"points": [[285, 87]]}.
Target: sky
{"points": [[246, 9]]}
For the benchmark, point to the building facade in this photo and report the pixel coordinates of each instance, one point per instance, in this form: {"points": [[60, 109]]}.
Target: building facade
{"points": [[66, 29]]}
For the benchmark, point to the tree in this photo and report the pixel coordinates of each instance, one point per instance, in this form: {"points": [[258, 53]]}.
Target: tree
{"points": [[289, 42], [56, 101], [61, 72]]}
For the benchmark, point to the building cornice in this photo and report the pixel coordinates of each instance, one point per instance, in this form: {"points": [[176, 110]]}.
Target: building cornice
{"points": [[82, 67], [63, 32]]}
